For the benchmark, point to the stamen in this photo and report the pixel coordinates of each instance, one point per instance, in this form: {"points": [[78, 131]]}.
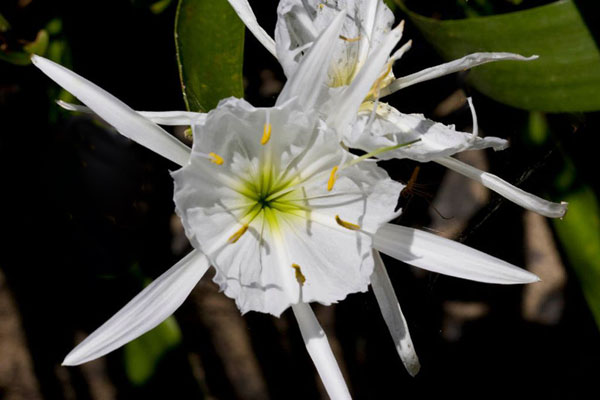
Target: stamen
{"points": [[237, 235], [266, 134], [188, 133], [215, 158], [332, 178], [356, 39], [346, 224], [374, 92], [299, 275]]}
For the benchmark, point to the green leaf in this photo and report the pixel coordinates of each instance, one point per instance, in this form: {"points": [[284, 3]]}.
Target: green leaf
{"points": [[210, 44], [143, 355], [160, 6], [38, 46], [4, 25], [565, 78], [579, 234]]}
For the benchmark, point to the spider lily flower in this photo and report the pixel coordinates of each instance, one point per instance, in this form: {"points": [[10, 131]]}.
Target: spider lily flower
{"points": [[377, 124], [284, 214]]}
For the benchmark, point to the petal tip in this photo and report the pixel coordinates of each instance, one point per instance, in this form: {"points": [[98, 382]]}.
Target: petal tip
{"points": [[70, 360], [413, 370]]}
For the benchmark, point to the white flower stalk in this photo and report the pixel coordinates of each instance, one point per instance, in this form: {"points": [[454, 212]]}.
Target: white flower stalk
{"points": [[378, 124], [284, 214]]}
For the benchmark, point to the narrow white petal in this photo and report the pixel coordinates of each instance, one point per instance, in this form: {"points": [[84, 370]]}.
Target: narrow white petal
{"points": [[505, 189], [392, 314], [244, 11], [355, 94], [444, 256], [390, 127], [169, 118], [145, 311], [319, 350], [461, 64], [473, 116], [129, 123], [309, 81]]}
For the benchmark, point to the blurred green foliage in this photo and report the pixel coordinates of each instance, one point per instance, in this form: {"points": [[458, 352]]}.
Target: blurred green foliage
{"points": [[143, 355]]}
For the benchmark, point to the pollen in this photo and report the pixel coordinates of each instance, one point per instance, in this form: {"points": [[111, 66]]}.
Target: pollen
{"points": [[347, 225], [350, 40], [238, 234], [266, 134], [299, 275], [332, 178], [215, 158]]}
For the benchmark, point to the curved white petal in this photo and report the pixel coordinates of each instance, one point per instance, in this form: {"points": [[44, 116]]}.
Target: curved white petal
{"points": [[319, 350], [505, 189], [390, 127], [169, 118], [308, 83], [392, 314], [129, 123], [461, 64], [354, 95], [438, 254], [145, 311], [244, 11]]}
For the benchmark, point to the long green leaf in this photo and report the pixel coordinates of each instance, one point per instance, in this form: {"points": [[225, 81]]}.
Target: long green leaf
{"points": [[579, 234], [210, 44], [565, 78]]}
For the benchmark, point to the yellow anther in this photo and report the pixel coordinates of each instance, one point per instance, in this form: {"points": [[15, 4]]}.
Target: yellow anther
{"points": [[215, 158], [238, 234], [321, 6], [347, 225], [299, 275], [266, 134], [188, 133], [374, 92], [332, 178], [356, 39]]}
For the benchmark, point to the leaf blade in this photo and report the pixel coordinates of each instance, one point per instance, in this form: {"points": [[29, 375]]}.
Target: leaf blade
{"points": [[566, 77], [209, 38]]}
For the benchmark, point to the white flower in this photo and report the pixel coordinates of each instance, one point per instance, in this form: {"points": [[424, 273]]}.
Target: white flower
{"points": [[377, 124], [264, 215], [362, 59], [284, 214]]}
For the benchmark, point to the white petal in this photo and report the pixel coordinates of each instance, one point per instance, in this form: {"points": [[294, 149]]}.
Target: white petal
{"points": [[319, 350], [294, 33], [308, 83], [129, 123], [169, 118], [505, 189], [391, 127], [354, 95], [392, 314], [244, 11], [461, 64], [438, 254], [145, 311]]}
